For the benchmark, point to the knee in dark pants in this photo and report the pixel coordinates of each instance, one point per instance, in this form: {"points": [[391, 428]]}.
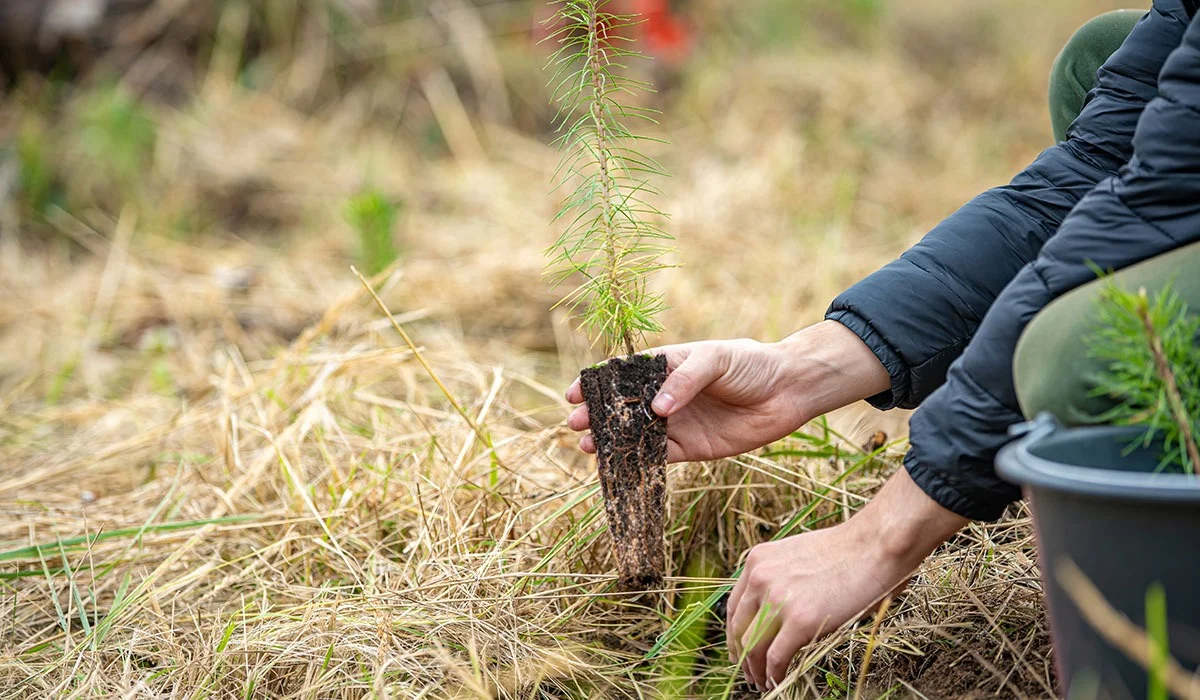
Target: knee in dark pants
{"points": [[1052, 368]]}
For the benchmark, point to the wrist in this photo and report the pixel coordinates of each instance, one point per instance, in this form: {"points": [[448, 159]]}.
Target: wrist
{"points": [[904, 524], [827, 366]]}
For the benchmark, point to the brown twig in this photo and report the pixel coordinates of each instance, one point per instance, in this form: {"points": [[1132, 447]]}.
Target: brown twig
{"points": [[872, 641], [1162, 367], [1119, 631]]}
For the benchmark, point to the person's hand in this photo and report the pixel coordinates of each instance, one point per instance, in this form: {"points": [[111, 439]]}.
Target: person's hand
{"points": [[722, 398], [726, 397], [799, 588]]}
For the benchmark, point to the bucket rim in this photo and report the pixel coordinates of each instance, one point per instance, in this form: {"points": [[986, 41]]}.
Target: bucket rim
{"points": [[1017, 464]]}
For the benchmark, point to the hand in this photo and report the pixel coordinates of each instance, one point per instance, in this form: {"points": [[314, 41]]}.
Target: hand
{"points": [[723, 397], [799, 588], [726, 397]]}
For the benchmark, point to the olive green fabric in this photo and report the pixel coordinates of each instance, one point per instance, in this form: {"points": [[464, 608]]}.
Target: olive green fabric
{"points": [[1074, 71], [1051, 368]]}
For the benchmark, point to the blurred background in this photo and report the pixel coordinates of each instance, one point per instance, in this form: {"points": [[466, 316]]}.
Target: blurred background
{"points": [[189, 367], [178, 175]]}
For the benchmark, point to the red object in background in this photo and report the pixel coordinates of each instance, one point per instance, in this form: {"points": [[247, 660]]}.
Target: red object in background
{"points": [[665, 35], [660, 33]]}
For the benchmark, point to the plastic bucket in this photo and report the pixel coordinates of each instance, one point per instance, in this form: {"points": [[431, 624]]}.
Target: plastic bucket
{"points": [[1103, 507]]}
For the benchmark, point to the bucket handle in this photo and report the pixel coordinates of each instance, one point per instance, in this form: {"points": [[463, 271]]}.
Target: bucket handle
{"points": [[1043, 425]]}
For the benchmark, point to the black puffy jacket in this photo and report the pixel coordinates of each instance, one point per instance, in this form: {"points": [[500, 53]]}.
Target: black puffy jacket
{"points": [[945, 317]]}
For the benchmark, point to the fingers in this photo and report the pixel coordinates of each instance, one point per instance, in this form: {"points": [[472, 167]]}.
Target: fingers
{"points": [[575, 392], [783, 649], [579, 419], [675, 452], [677, 357], [753, 623], [758, 638], [732, 640], [748, 672], [755, 666], [691, 377], [675, 354], [739, 623]]}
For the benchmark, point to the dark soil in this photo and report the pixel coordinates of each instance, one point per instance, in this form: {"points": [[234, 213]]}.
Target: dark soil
{"points": [[631, 446]]}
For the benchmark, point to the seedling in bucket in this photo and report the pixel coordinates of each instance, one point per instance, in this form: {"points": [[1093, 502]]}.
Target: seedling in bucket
{"points": [[1117, 507]]}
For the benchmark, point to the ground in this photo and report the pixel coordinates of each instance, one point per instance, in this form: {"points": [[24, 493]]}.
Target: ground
{"points": [[226, 475]]}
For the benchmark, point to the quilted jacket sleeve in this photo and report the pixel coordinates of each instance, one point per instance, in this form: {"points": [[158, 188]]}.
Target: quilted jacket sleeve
{"points": [[1151, 207], [919, 312]]}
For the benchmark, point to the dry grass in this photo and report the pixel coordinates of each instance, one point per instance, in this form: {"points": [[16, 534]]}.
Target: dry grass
{"points": [[224, 475]]}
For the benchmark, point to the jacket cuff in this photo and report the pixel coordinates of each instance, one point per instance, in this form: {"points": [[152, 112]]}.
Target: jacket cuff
{"points": [[897, 370], [953, 440], [943, 489]]}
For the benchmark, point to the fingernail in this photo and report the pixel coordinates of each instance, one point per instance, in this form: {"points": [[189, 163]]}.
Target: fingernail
{"points": [[663, 403]]}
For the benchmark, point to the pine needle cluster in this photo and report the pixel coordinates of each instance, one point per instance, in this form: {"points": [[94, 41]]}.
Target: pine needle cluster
{"points": [[1153, 369], [611, 240]]}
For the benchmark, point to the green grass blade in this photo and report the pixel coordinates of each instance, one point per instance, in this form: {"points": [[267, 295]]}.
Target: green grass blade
{"points": [[83, 541], [1156, 633]]}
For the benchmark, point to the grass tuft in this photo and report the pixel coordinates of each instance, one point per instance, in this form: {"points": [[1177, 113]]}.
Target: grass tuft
{"points": [[373, 218]]}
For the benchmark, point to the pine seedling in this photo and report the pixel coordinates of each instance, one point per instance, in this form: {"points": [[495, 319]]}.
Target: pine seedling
{"points": [[1153, 369], [373, 218], [611, 239], [612, 243]]}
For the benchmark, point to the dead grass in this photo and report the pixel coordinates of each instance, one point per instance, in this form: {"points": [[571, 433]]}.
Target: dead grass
{"points": [[224, 475]]}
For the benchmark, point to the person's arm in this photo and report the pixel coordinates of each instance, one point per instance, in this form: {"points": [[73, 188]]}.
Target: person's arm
{"points": [[1151, 208], [808, 585], [918, 313], [725, 397]]}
